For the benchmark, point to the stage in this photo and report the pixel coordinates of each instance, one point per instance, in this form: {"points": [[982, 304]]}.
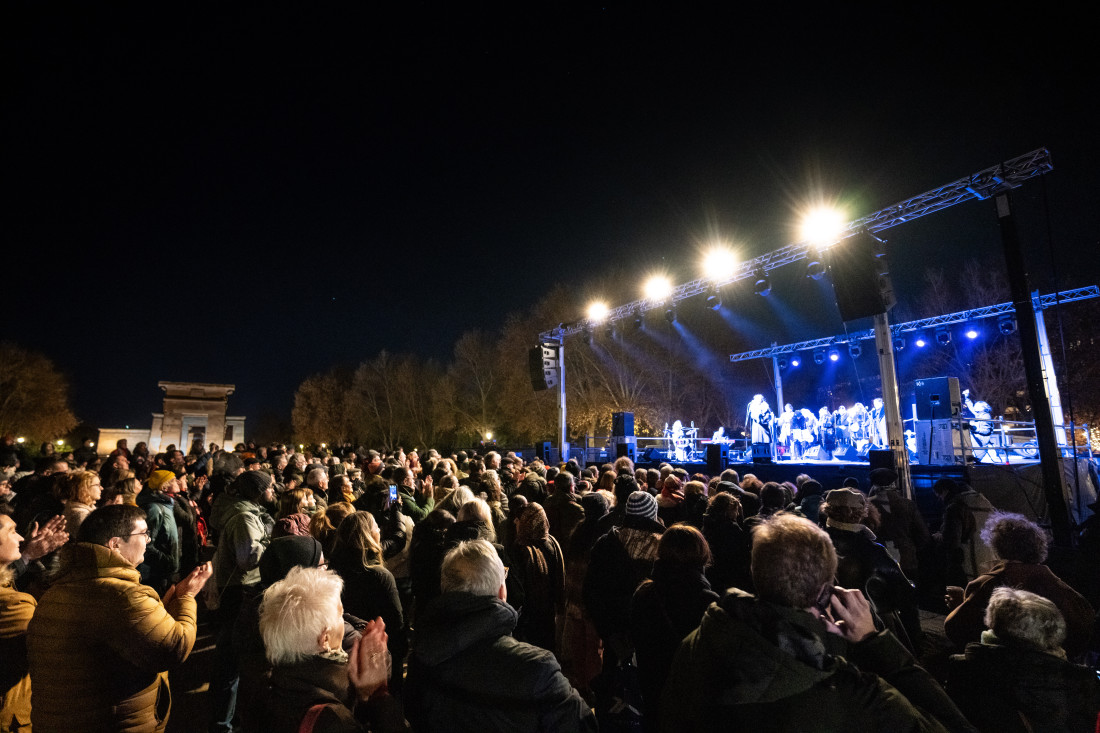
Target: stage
{"points": [[1015, 487]]}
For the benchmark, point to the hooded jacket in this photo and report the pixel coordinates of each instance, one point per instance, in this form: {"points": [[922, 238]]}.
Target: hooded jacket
{"points": [[466, 673], [754, 665], [100, 645]]}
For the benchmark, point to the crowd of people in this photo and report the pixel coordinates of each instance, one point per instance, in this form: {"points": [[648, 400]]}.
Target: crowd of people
{"points": [[358, 590]]}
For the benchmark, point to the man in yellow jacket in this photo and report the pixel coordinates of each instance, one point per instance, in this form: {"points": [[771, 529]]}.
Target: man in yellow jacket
{"points": [[100, 643]]}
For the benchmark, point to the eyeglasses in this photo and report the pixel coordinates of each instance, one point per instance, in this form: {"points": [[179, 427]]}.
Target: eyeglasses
{"points": [[144, 534]]}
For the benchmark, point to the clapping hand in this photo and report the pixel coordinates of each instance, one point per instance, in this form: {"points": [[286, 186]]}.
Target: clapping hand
{"points": [[369, 663], [42, 541]]}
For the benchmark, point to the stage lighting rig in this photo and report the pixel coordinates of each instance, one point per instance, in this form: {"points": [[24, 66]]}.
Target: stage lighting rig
{"points": [[815, 270], [899, 343], [819, 356], [1006, 325], [834, 354], [943, 336], [855, 350], [714, 300], [763, 284]]}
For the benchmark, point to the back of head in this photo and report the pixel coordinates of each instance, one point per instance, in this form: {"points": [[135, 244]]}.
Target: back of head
{"points": [[285, 553], [684, 546], [772, 496], [113, 520], [1014, 537], [792, 558], [625, 485], [297, 611], [473, 567], [1017, 615]]}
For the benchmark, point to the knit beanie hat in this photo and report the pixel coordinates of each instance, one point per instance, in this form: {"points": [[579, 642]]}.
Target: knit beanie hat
{"points": [[641, 504], [251, 485], [285, 553], [159, 478]]}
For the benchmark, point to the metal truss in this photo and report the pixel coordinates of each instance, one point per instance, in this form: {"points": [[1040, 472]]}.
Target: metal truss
{"points": [[981, 185], [990, 311]]}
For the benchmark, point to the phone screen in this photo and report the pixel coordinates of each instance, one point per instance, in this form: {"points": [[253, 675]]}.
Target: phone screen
{"points": [[393, 492]]}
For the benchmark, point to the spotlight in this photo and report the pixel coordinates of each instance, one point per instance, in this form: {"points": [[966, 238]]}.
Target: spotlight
{"points": [[855, 350], [763, 285], [943, 336], [782, 362], [714, 300], [670, 314], [657, 288], [597, 311], [899, 343], [819, 356], [1006, 325], [719, 264], [920, 342], [834, 354], [815, 270], [823, 225], [795, 361], [972, 333]]}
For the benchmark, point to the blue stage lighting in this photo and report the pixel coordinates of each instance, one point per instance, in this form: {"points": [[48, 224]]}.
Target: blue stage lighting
{"points": [[899, 343], [819, 356], [920, 342], [795, 361], [855, 350], [834, 354], [943, 336], [972, 333]]}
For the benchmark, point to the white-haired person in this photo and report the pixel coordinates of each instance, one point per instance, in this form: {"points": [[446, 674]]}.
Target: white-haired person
{"points": [[316, 685], [1017, 678], [468, 673], [1021, 546]]}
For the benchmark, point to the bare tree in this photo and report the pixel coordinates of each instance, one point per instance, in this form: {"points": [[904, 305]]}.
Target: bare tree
{"points": [[34, 396]]}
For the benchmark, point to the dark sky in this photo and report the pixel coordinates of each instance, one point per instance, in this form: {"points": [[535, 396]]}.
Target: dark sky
{"points": [[251, 194]]}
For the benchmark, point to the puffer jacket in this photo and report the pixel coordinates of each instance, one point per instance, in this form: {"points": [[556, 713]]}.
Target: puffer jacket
{"points": [[16, 610], [244, 532], [100, 645], [467, 673]]}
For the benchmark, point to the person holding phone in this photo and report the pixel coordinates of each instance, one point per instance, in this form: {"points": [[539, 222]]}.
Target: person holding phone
{"points": [[801, 654]]}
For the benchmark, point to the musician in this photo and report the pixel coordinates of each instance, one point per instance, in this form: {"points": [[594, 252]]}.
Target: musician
{"points": [[826, 432], [802, 429], [719, 436], [878, 423], [981, 427], [759, 419], [840, 426], [678, 442]]}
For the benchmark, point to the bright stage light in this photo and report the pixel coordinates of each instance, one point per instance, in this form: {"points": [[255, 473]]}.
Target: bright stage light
{"points": [[920, 342], [657, 288], [795, 361], [719, 264], [971, 333], [597, 311], [833, 354], [823, 225]]}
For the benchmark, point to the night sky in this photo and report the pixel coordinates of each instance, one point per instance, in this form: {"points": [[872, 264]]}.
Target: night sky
{"points": [[252, 194]]}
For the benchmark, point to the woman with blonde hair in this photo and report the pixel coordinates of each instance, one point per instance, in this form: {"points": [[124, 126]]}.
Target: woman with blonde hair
{"points": [[84, 490], [370, 590], [322, 526]]}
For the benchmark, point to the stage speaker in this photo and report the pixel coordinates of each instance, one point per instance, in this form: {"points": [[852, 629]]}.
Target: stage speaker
{"points": [[622, 423], [813, 453], [762, 453], [542, 366], [546, 452], [846, 453], [860, 277], [626, 449], [937, 398], [880, 458], [653, 454], [717, 458]]}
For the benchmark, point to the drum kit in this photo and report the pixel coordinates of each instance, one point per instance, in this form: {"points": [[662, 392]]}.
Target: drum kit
{"points": [[682, 443]]}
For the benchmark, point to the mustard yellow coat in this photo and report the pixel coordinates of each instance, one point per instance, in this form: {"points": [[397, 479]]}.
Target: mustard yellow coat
{"points": [[100, 645], [16, 610]]}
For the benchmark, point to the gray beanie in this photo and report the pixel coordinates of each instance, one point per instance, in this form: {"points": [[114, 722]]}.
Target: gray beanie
{"points": [[641, 504]]}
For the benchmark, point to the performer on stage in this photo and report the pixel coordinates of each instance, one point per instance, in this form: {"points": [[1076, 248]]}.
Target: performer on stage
{"points": [[826, 433], [981, 427], [784, 421], [803, 426], [840, 425], [719, 436], [759, 418], [678, 442], [878, 424]]}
